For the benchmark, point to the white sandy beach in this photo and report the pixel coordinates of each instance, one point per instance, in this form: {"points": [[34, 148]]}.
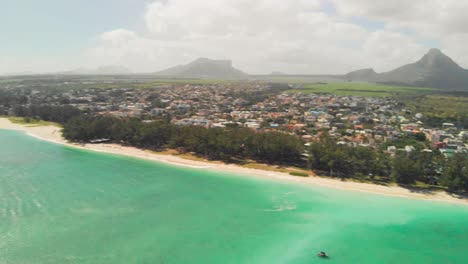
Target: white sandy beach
{"points": [[53, 134]]}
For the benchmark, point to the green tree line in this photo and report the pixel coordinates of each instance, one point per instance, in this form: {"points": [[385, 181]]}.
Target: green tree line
{"points": [[58, 114], [344, 161], [227, 144], [406, 168]]}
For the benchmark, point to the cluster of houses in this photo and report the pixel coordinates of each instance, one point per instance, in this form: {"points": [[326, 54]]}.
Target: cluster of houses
{"points": [[352, 120]]}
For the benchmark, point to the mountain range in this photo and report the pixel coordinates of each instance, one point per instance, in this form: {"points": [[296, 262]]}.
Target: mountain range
{"points": [[103, 70], [204, 68], [435, 69]]}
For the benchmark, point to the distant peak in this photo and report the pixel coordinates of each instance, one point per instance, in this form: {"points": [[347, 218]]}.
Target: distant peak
{"points": [[364, 71], [210, 61], [371, 70], [435, 51], [205, 68], [434, 54], [363, 74], [202, 59], [435, 58]]}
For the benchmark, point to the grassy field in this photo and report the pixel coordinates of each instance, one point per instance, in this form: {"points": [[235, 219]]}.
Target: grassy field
{"points": [[438, 104], [362, 89], [439, 108]]}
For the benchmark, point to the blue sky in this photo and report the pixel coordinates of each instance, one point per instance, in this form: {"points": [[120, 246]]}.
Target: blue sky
{"points": [[294, 36], [53, 28]]}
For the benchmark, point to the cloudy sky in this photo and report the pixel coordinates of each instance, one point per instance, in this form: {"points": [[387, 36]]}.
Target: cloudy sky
{"points": [[260, 36]]}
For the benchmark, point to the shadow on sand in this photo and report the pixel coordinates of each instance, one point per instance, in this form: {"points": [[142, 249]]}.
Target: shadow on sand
{"points": [[434, 190]]}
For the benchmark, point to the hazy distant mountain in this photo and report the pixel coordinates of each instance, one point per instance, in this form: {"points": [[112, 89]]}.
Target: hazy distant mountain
{"points": [[435, 69], [112, 70], [206, 69], [362, 75], [103, 70], [278, 73]]}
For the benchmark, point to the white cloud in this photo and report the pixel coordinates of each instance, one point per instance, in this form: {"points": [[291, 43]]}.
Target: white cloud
{"points": [[455, 47], [294, 36], [389, 50], [442, 21], [430, 18]]}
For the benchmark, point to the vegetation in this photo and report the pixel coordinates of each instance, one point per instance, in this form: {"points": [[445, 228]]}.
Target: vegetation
{"points": [[237, 144], [160, 82], [437, 106], [226, 144], [442, 108], [299, 174], [455, 176], [344, 161], [405, 168], [362, 89], [9, 98], [58, 114], [416, 140], [31, 122]]}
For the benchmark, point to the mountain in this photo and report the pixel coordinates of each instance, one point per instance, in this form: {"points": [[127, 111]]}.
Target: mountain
{"points": [[103, 70], [278, 73], [206, 69], [110, 70], [435, 69], [362, 75]]}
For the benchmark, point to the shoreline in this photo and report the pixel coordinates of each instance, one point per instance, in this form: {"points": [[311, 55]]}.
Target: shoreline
{"points": [[53, 134]]}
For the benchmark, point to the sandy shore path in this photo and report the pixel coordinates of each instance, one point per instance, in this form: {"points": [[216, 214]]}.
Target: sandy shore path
{"points": [[53, 134]]}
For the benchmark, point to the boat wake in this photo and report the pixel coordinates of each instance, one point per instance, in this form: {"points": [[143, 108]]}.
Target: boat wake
{"points": [[282, 208], [284, 204]]}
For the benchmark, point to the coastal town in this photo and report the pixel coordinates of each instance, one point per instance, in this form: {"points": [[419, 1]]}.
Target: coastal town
{"points": [[374, 122]]}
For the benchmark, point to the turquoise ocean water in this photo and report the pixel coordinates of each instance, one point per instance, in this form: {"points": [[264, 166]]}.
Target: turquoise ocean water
{"points": [[63, 205]]}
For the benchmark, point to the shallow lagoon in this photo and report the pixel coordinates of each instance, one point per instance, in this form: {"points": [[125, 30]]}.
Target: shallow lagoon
{"points": [[63, 205]]}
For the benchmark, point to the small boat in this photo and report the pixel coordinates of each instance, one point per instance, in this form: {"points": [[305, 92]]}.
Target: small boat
{"points": [[322, 254]]}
